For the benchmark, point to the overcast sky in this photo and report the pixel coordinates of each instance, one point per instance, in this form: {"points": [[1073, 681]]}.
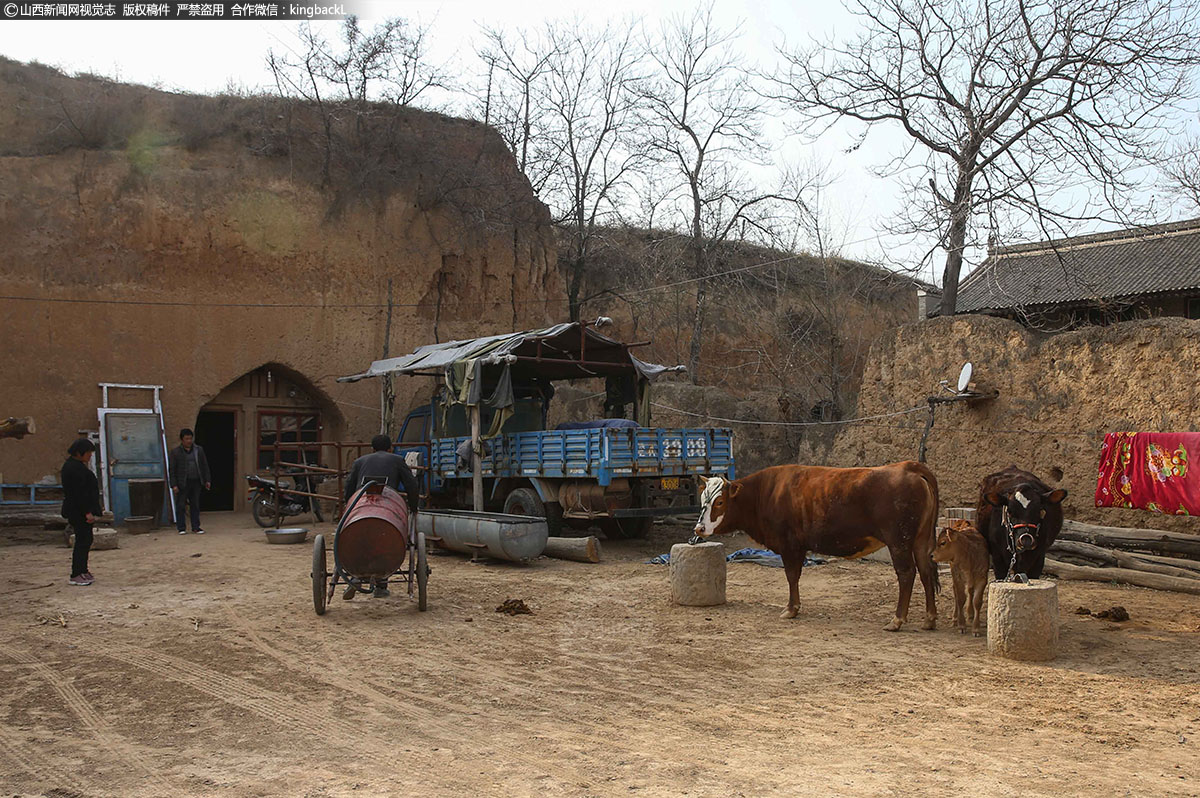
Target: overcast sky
{"points": [[210, 56]]}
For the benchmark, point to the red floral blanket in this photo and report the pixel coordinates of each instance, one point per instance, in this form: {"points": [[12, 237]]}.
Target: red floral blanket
{"points": [[1149, 471]]}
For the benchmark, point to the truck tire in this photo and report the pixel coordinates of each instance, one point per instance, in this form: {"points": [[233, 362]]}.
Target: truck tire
{"points": [[525, 501], [625, 528]]}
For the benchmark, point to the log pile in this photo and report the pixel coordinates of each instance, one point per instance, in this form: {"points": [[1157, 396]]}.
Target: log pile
{"points": [[1143, 557]]}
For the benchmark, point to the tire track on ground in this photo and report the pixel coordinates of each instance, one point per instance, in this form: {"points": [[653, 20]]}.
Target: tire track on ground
{"points": [[530, 687], [372, 691], [246, 695], [91, 719], [26, 759]]}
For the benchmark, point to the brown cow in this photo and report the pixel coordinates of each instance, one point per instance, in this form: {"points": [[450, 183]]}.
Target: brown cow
{"points": [[961, 545], [845, 512]]}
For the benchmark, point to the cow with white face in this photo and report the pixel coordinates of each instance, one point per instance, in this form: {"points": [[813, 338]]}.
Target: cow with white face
{"points": [[1020, 517], [713, 504], [846, 512]]}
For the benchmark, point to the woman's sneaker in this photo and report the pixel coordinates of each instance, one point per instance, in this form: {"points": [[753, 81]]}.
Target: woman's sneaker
{"points": [[83, 580]]}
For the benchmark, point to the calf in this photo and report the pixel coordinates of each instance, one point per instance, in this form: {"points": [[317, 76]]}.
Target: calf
{"points": [[961, 545], [846, 512]]}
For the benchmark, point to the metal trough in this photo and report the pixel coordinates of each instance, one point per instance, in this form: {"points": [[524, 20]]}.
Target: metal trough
{"points": [[506, 537]]}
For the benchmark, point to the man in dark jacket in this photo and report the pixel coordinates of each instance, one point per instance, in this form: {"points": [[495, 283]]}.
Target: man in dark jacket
{"points": [[382, 465], [189, 471], [81, 505]]}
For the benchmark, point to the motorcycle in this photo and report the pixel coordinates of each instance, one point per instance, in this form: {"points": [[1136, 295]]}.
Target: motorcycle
{"points": [[263, 500]]}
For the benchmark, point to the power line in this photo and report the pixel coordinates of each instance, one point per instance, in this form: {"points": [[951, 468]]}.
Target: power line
{"points": [[859, 421], [792, 423]]}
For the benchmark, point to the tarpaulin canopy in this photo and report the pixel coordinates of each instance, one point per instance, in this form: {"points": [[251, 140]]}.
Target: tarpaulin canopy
{"points": [[573, 350], [562, 352]]}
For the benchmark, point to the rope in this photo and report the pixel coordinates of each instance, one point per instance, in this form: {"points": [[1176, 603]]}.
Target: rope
{"points": [[860, 422], [793, 423]]}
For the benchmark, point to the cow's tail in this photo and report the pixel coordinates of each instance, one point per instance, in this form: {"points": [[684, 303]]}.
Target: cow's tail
{"points": [[926, 539]]}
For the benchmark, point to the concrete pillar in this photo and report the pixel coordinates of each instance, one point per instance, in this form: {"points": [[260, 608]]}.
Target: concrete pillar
{"points": [[697, 574], [1023, 620]]}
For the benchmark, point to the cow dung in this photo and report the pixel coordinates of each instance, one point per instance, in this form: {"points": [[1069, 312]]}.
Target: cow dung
{"points": [[1117, 614]]}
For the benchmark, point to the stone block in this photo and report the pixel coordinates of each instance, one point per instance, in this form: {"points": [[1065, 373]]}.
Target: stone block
{"points": [[101, 539], [1022, 620], [697, 574]]}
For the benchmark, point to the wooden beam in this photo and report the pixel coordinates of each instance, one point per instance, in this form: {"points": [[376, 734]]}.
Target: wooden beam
{"points": [[1095, 555], [578, 549], [1151, 540], [476, 462], [17, 427], [1122, 576]]}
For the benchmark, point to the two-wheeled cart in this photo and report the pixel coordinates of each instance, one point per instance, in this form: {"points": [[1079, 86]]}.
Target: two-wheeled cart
{"points": [[376, 540]]}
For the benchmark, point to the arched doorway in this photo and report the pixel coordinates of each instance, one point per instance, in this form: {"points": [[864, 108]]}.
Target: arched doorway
{"points": [[239, 427]]}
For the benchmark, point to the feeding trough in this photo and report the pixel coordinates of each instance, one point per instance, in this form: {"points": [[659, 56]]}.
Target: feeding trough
{"points": [[139, 524], [517, 538]]}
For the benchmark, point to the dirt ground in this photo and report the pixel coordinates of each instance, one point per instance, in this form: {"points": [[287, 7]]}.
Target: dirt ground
{"points": [[196, 666]]}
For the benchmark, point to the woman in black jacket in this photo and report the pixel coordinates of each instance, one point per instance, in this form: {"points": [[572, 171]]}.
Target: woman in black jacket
{"points": [[81, 505]]}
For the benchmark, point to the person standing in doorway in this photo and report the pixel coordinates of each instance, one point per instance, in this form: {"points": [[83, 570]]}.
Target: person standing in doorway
{"points": [[189, 472], [81, 505]]}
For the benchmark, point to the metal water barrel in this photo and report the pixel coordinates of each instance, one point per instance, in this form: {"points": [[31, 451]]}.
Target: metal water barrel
{"points": [[506, 537], [372, 539]]}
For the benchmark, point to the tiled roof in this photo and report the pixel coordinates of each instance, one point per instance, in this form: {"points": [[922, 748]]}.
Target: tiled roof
{"points": [[1126, 263]]}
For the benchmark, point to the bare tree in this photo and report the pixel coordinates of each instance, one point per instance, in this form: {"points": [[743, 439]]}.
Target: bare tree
{"points": [[518, 65], [704, 123], [1043, 110], [385, 65], [1182, 171], [590, 100]]}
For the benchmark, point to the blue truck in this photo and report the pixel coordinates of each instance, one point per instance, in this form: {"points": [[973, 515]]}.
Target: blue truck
{"points": [[618, 478], [613, 473]]}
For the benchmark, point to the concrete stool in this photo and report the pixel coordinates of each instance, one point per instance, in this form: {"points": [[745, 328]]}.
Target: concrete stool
{"points": [[697, 574], [101, 539], [1023, 620]]}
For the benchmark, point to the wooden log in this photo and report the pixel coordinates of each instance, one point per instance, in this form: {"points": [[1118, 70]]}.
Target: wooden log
{"points": [[1154, 541], [1176, 562], [17, 427], [1095, 555], [577, 549], [1122, 576]]}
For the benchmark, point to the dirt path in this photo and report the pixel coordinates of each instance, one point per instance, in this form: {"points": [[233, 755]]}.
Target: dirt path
{"points": [[179, 674]]}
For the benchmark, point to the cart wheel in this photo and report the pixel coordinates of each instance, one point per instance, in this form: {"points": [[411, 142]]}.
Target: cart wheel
{"points": [[422, 572], [319, 575]]}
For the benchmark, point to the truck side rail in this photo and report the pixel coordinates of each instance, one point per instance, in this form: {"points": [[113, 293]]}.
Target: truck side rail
{"points": [[602, 454]]}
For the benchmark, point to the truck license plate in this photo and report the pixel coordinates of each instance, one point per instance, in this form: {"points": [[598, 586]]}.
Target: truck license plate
{"points": [[670, 483]]}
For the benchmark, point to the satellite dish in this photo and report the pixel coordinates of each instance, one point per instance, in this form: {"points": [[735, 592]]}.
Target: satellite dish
{"points": [[964, 377]]}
